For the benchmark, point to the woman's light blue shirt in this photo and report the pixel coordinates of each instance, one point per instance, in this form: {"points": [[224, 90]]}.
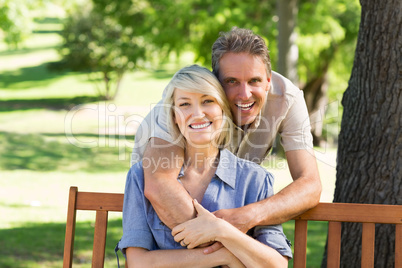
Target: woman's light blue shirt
{"points": [[236, 183]]}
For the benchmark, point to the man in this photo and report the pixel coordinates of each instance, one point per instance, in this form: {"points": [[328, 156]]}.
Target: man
{"points": [[263, 103]]}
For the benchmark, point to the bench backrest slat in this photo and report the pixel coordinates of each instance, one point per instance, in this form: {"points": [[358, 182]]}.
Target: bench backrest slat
{"points": [[98, 255], [398, 245], [300, 244], [334, 244], [368, 240]]}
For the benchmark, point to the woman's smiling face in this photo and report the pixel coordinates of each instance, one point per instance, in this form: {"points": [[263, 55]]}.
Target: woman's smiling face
{"points": [[198, 116]]}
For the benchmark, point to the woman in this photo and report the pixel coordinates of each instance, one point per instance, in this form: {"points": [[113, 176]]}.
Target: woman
{"points": [[200, 121]]}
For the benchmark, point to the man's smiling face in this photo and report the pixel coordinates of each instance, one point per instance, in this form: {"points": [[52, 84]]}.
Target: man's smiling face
{"points": [[245, 81]]}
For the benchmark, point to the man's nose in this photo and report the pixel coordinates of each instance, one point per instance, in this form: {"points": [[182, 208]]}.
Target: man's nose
{"points": [[244, 92]]}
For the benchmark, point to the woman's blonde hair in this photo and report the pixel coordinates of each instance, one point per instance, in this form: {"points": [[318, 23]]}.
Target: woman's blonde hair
{"points": [[197, 79]]}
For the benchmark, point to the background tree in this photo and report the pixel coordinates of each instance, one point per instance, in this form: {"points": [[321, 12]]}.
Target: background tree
{"points": [[98, 44], [193, 25], [326, 39], [288, 52], [326, 33], [16, 21], [370, 141]]}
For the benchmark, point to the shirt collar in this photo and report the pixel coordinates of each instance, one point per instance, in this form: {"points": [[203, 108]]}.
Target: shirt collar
{"points": [[226, 170]]}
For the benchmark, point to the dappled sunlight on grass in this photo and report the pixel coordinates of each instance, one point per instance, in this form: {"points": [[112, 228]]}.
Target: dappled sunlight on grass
{"points": [[35, 152], [46, 243]]}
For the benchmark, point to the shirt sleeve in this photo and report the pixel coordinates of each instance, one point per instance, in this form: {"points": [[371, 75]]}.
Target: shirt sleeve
{"points": [[136, 231], [154, 125], [273, 237], [296, 129]]}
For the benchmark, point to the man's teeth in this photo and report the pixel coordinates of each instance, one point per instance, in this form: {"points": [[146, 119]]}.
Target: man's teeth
{"points": [[245, 106], [201, 125]]}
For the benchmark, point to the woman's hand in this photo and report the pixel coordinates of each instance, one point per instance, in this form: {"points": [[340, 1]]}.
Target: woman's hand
{"points": [[202, 229]]}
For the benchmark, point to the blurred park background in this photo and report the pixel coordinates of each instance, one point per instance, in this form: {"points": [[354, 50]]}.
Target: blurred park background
{"points": [[77, 77]]}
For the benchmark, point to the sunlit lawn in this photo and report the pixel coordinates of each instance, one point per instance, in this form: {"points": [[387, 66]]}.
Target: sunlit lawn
{"points": [[38, 162]]}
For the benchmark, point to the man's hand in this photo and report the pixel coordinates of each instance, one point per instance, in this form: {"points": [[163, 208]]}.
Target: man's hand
{"points": [[241, 218]]}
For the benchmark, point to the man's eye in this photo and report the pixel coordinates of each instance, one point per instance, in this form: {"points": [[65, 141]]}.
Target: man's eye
{"points": [[231, 81], [255, 80]]}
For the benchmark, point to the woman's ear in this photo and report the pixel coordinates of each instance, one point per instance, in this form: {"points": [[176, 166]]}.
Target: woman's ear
{"points": [[174, 119]]}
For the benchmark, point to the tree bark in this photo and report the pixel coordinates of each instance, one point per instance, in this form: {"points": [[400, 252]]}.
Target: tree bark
{"points": [[370, 141], [288, 52], [315, 94]]}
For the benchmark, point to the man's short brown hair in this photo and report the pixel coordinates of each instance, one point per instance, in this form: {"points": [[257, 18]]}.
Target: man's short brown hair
{"points": [[240, 40]]}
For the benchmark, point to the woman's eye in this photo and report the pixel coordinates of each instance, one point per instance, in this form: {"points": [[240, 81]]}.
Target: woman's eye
{"points": [[208, 101], [184, 104]]}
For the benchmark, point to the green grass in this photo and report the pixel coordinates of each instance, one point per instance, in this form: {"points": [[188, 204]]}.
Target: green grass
{"points": [[316, 239], [35, 202], [38, 162]]}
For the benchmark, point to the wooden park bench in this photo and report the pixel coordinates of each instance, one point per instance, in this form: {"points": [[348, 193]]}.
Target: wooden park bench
{"points": [[333, 213]]}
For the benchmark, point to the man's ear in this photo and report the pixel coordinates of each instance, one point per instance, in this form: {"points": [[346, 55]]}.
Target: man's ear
{"points": [[269, 83]]}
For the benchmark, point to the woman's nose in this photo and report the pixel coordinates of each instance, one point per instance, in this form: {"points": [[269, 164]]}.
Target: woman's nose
{"points": [[198, 111]]}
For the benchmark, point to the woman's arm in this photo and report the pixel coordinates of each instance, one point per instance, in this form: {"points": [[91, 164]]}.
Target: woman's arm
{"points": [[140, 257], [206, 228]]}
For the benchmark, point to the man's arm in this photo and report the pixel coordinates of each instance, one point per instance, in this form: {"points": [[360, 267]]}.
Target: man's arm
{"points": [[302, 194], [162, 162]]}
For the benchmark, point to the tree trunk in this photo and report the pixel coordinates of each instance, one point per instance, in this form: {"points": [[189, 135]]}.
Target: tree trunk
{"points": [[370, 141], [315, 94], [287, 48], [288, 52]]}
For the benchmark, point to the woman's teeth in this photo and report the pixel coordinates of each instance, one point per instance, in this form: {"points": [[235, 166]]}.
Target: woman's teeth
{"points": [[198, 126]]}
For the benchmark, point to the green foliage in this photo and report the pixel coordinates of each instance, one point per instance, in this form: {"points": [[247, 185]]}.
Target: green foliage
{"points": [[324, 28], [15, 21], [192, 25], [97, 43], [332, 29]]}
